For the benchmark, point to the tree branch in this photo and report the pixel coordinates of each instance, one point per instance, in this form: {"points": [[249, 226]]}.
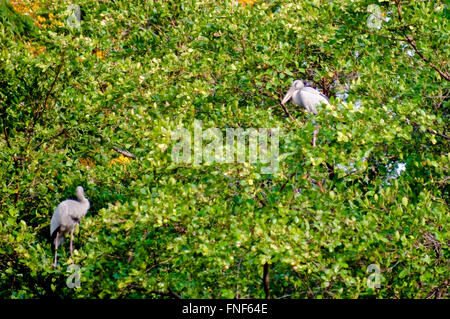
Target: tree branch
{"points": [[123, 152], [429, 130], [283, 107], [411, 41], [43, 106], [6, 133], [61, 131], [265, 280]]}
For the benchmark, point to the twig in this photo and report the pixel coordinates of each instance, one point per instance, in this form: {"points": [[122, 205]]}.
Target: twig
{"points": [[6, 133], [123, 152], [411, 41], [61, 132], [287, 181], [437, 292], [287, 112], [444, 180], [283, 107], [265, 280], [319, 184], [43, 106], [429, 130]]}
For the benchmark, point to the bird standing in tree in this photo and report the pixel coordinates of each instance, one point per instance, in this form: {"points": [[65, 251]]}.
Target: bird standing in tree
{"points": [[306, 97], [65, 218]]}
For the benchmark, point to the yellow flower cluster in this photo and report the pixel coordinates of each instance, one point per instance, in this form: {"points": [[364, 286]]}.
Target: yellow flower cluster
{"points": [[247, 2], [37, 50], [121, 159], [29, 8], [25, 7], [99, 53], [42, 22]]}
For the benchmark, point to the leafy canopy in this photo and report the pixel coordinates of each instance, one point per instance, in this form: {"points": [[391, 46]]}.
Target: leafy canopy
{"points": [[135, 71]]}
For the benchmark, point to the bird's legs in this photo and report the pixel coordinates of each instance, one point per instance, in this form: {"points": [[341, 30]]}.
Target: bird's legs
{"points": [[71, 240], [56, 249], [315, 137]]}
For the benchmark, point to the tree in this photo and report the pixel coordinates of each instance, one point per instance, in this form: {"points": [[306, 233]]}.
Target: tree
{"points": [[136, 71]]}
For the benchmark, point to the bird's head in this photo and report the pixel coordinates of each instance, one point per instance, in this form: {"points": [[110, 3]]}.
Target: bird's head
{"points": [[296, 85], [80, 193]]}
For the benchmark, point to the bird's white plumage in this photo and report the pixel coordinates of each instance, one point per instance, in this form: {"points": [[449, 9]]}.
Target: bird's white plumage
{"points": [[309, 100], [307, 97], [315, 92]]}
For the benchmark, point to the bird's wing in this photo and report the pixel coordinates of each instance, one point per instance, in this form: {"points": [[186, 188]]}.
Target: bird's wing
{"points": [[76, 210], [315, 92], [65, 216], [311, 98], [56, 220]]}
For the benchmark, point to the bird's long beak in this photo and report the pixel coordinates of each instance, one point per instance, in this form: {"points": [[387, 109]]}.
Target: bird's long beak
{"points": [[288, 95]]}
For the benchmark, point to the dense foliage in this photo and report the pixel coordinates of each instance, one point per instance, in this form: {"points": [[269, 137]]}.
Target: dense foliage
{"points": [[135, 71]]}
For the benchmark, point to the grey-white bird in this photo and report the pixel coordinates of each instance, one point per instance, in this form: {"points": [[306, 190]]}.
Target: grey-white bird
{"points": [[66, 217], [306, 97]]}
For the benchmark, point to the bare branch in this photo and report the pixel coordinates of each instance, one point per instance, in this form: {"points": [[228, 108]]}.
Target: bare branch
{"points": [[123, 152]]}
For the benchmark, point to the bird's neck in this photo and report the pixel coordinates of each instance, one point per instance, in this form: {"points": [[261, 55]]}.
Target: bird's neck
{"points": [[296, 97], [84, 201]]}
